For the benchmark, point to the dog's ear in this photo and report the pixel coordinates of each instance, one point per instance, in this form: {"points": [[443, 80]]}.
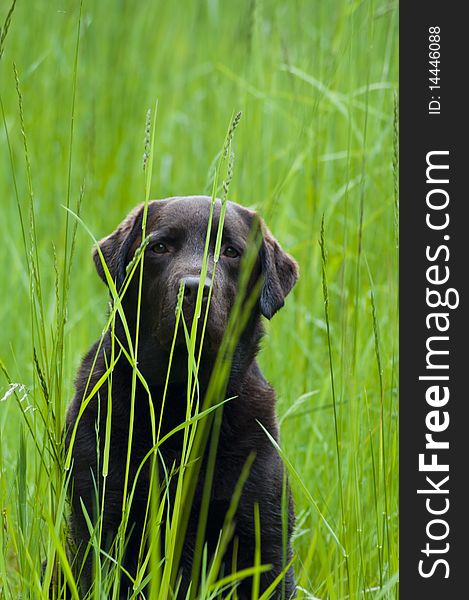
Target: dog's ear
{"points": [[115, 247], [280, 273]]}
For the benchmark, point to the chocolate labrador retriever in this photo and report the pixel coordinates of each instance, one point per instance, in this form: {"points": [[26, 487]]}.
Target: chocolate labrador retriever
{"points": [[173, 250]]}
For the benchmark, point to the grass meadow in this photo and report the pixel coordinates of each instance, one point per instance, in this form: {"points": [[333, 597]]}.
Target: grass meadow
{"points": [[315, 152]]}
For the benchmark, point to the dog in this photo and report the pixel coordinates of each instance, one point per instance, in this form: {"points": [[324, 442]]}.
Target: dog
{"points": [[173, 251]]}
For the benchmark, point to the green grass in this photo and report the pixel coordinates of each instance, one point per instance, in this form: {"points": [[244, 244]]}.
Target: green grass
{"points": [[316, 84]]}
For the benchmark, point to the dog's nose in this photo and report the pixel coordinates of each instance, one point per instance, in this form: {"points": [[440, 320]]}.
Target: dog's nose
{"points": [[191, 285]]}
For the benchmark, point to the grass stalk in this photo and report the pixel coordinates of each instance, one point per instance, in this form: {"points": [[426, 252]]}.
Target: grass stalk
{"points": [[334, 403]]}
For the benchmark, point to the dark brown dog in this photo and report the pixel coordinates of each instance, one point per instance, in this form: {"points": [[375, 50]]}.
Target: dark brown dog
{"points": [[177, 229]]}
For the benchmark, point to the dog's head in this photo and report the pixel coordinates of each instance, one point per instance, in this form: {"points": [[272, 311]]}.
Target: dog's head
{"points": [[176, 232]]}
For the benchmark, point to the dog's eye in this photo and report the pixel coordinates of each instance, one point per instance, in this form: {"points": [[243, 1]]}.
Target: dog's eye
{"points": [[159, 248], [230, 252]]}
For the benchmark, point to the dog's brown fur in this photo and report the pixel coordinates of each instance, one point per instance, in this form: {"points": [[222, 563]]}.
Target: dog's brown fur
{"points": [[178, 227]]}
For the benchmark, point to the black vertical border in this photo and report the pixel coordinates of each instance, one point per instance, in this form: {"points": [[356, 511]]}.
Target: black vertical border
{"points": [[420, 133]]}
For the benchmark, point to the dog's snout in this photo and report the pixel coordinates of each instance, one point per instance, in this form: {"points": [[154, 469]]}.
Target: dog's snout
{"points": [[191, 285]]}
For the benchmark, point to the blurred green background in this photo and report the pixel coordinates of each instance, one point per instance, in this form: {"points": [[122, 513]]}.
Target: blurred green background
{"points": [[316, 83]]}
